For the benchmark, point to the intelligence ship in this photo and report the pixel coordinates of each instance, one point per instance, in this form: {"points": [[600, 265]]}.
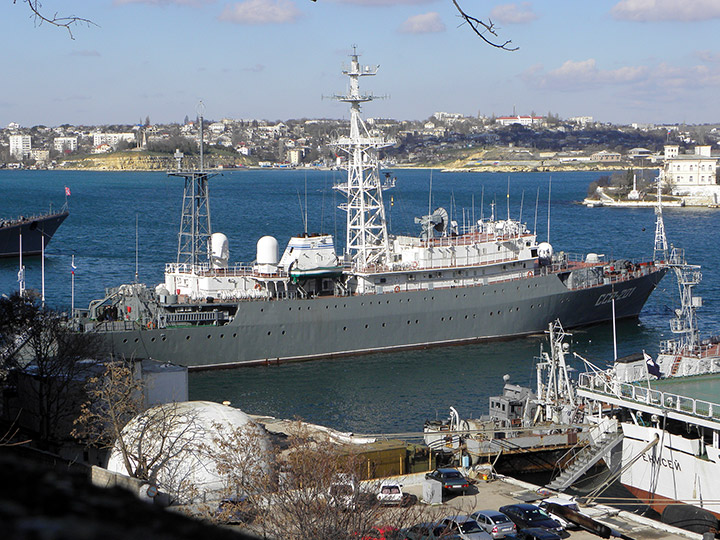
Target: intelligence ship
{"points": [[384, 293]]}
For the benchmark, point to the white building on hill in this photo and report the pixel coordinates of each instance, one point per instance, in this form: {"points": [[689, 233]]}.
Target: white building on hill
{"points": [[20, 146], [692, 176]]}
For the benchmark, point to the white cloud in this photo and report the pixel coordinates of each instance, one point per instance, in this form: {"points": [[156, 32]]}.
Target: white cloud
{"points": [[261, 12], [582, 75], [666, 10], [165, 2], [383, 2], [634, 86], [426, 23], [513, 13], [708, 56]]}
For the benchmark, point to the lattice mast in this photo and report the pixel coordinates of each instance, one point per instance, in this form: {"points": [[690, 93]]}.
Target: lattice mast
{"points": [[660, 254], [688, 276], [367, 238], [195, 229]]}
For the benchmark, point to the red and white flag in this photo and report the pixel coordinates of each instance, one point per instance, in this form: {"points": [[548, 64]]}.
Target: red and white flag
{"points": [[67, 191]]}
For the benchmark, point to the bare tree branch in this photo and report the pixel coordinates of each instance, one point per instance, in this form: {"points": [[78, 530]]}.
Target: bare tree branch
{"points": [[481, 28], [63, 22]]}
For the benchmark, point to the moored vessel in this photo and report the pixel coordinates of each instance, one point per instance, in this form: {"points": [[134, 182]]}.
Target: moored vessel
{"points": [[449, 285], [669, 413], [29, 235]]}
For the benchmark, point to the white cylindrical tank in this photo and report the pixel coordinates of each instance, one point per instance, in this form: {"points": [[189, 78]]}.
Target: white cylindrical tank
{"points": [[219, 250], [267, 251]]}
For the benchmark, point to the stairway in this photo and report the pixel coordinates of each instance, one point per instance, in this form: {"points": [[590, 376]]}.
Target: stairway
{"points": [[15, 345], [584, 459]]}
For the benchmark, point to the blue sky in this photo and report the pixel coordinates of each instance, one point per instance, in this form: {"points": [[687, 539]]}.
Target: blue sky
{"points": [[621, 61]]}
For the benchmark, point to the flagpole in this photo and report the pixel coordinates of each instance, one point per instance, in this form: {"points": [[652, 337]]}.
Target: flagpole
{"points": [[21, 271], [72, 287], [42, 266]]}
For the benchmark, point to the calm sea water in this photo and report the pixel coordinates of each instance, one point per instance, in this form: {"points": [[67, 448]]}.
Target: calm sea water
{"points": [[380, 393]]}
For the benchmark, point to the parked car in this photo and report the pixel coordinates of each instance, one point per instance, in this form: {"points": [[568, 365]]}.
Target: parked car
{"points": [[429, 531], [527, 516], [536, 533], [234, 510], [465, 527], [452, 480], [390, 493], [494, 522], [546, 506], [383, 533]]}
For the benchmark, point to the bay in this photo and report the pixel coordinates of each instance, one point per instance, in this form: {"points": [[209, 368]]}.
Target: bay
{"points": [[378, 393]]}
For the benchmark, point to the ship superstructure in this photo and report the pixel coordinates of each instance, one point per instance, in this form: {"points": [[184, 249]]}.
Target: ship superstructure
{"points": [[450, 284]]}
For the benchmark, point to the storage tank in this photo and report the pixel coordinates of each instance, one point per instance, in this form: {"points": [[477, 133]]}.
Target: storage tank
{"points": [[219, 250]]}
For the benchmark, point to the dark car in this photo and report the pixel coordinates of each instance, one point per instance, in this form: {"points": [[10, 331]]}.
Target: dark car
{"points": [[428, 531], [452, 480], [235, 510], [528, 516], [536, 533]]}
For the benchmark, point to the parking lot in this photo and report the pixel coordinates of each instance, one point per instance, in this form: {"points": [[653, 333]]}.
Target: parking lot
{"points": [[500, 492]]}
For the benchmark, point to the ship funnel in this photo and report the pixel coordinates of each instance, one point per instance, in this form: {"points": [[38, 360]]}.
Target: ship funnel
{"points": [[219, 250]]}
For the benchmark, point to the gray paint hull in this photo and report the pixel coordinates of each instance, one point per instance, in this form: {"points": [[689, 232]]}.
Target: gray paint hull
{"points": [[289, 330]]}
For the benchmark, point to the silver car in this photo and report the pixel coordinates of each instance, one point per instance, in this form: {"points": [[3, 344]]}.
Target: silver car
{"points": [[494, 522], [465, 527]]}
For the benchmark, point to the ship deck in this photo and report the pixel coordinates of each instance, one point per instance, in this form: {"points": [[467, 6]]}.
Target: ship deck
{"points": [[690, 399], [701, 387]]}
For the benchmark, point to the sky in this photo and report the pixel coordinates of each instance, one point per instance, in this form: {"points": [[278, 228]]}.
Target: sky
{"points": [[619, 61]]}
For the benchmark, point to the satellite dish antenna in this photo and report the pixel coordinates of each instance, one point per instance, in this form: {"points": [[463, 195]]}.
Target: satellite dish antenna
{"points": [[435, 224]]}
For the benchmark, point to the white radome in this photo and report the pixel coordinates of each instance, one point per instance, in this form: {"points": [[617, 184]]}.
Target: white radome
{"points": [[188, 471]]}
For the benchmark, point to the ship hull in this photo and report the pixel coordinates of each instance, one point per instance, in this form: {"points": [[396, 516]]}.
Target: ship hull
{"points": [[671, 472], [33, 231], [329, 326]]}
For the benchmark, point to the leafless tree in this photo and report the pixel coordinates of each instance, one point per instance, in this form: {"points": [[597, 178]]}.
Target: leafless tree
{"points": [[114, 397], [315, 492], [158, 447], [484, 29], [40, 16], [46, 360]]}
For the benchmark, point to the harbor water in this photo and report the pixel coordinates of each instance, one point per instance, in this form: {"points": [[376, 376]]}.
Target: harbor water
{"points": [[121, 224]]}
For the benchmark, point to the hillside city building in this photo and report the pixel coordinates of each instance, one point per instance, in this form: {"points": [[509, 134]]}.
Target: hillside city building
{"points": [[20, 146], [692, 176]]}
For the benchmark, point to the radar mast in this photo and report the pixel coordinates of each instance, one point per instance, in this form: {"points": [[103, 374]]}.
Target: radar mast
{"points": [[367, 238], [195, 229]]}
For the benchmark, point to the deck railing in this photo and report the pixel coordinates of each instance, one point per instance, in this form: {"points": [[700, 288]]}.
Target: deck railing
{"points": [[602, 382]]}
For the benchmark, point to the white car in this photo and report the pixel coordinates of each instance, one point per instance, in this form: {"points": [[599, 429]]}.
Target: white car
{"points": [[390, 493], [560, 502]]}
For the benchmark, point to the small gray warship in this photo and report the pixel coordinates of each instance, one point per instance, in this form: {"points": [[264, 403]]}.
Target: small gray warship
{"points": [[386, 292]]}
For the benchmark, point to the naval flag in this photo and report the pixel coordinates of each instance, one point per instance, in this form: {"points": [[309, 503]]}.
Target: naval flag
{"points": [[652, 367], [67, 191]]}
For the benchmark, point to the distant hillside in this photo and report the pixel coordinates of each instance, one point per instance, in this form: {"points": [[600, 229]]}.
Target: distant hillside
{"points": [[137, 161]]}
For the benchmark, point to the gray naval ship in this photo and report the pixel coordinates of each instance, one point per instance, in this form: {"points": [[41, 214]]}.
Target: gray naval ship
{"points": [[385, 292]]}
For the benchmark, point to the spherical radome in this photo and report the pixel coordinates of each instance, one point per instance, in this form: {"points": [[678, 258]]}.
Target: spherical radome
{"points": [[181, 445]]}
